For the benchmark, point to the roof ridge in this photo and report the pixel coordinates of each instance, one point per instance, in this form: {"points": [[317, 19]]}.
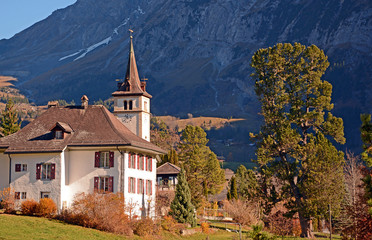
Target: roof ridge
{"points": [[105, 110]]}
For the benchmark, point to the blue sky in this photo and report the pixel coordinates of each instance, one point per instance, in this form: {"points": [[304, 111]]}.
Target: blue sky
{"points": [[17, 15]]}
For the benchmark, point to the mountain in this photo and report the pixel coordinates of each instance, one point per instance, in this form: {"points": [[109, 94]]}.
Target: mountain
{"points": [[195, 53]]}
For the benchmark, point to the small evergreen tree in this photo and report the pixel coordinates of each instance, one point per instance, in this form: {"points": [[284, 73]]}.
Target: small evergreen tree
{"points": [[181, 207], [9, 119], [233, 189]]}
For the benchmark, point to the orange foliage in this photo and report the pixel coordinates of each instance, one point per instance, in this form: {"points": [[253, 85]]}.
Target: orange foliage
{"points": [[29, 207], [101, 211], [146, 227], [8, 200], [46, 207], [205, 227]]}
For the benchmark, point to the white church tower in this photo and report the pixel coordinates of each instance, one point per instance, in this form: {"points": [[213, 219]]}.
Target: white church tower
{"points": [[131, 101]]}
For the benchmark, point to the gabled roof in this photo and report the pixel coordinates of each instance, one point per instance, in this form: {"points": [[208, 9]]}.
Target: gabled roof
{"points": [[168, 168], [64, 126], [92, 126], [132, 83]]}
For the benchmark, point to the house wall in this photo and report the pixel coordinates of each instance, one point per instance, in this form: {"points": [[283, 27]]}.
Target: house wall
{"points": [[27, 182], [4, 171], [135, 200], [80, 173]]}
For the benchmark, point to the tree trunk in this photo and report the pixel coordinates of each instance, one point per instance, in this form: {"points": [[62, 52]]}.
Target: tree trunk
{"points": [[306, 227]]}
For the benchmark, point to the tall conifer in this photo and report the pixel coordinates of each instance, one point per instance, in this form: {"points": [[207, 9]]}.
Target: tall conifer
{"points": [[9, 119], [181, 207]]}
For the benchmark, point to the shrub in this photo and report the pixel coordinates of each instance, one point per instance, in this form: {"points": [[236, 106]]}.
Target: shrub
{"points": [[168, 223], [29, 207], [46, 207], [205, 227], [257, 233], [145, 227], [243, 212], [8, 200], [101, 211]]}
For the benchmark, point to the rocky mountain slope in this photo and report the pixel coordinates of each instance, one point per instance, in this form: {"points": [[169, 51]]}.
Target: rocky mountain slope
{"points": [[195, 53]]}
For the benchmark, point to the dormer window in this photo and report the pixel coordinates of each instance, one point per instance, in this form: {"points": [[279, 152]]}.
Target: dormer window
{"points": [[60, 130], [59, 134]]}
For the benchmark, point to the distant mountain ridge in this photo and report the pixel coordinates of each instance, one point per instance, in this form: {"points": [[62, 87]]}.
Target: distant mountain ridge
{"points": [[195, 53]]}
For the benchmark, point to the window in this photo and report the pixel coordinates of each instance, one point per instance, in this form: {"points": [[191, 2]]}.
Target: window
{"points": [[104, 159], [125, 105], [20, 195], [130, 105], [21, 167], [140, 186], [46, 170], [103, 184], [131, 185], [45, 194], [23, 195], [149, 164], [59, 134], [148, 187], [132, 160], [146, 109], [141, 163]]}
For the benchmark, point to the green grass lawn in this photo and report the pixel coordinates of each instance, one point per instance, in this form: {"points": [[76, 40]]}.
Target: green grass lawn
{"points": [[23, 227]]}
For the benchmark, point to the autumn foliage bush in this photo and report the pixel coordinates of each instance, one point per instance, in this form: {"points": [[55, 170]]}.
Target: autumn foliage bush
{"points": [[46, 207], [243, 212], [205, 227], [100, 211], [7, 200], [29, 207], [145, 227]]}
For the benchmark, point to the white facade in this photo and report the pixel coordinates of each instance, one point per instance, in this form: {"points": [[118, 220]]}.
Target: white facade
{"points": [[75, 172], [134, 113]]}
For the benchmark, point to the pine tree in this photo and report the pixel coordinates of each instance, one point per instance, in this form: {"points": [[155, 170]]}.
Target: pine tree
{"points": [[181, 207], [9, 119], [203, 171], [294, 142], [233, 189], [366, 135]]}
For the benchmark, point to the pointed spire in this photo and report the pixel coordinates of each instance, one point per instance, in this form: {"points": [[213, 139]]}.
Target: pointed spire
{"points": [[132, 83]]}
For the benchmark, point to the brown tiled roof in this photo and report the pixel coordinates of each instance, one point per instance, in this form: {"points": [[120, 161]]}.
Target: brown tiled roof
{"points": [[132, 79], [92, 126], [64, 126], [168, 168]]}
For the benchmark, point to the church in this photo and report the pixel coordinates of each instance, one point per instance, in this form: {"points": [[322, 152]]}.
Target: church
{"points": [[73, 149]]}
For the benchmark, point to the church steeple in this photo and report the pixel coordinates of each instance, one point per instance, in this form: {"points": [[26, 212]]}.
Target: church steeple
{"points": [[131, 101], [132, 83]]}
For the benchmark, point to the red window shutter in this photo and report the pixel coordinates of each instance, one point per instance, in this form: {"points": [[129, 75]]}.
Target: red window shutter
{"points": [[38, 170], [147, 165], [111, 184], [138, 166], [138, 186], [150, 187], [129, 190], [111, 159], [18, 167], [129, 161], [53, 171], [96, 181], [146, 186], [97, 156], [150, 164]]}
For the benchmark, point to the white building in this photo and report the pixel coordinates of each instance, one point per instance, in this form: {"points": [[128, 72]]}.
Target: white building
{"points": [[73, 149]]}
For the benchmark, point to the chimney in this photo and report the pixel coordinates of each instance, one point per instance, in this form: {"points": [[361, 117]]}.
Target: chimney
{"points": [[84, 101], [53, 104]]}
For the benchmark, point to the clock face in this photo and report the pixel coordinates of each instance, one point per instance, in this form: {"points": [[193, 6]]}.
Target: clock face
{"points": [[127, 118]]}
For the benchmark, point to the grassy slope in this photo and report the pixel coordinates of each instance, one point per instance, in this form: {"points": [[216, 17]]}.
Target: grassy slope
{"points": [[23, 227]]}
